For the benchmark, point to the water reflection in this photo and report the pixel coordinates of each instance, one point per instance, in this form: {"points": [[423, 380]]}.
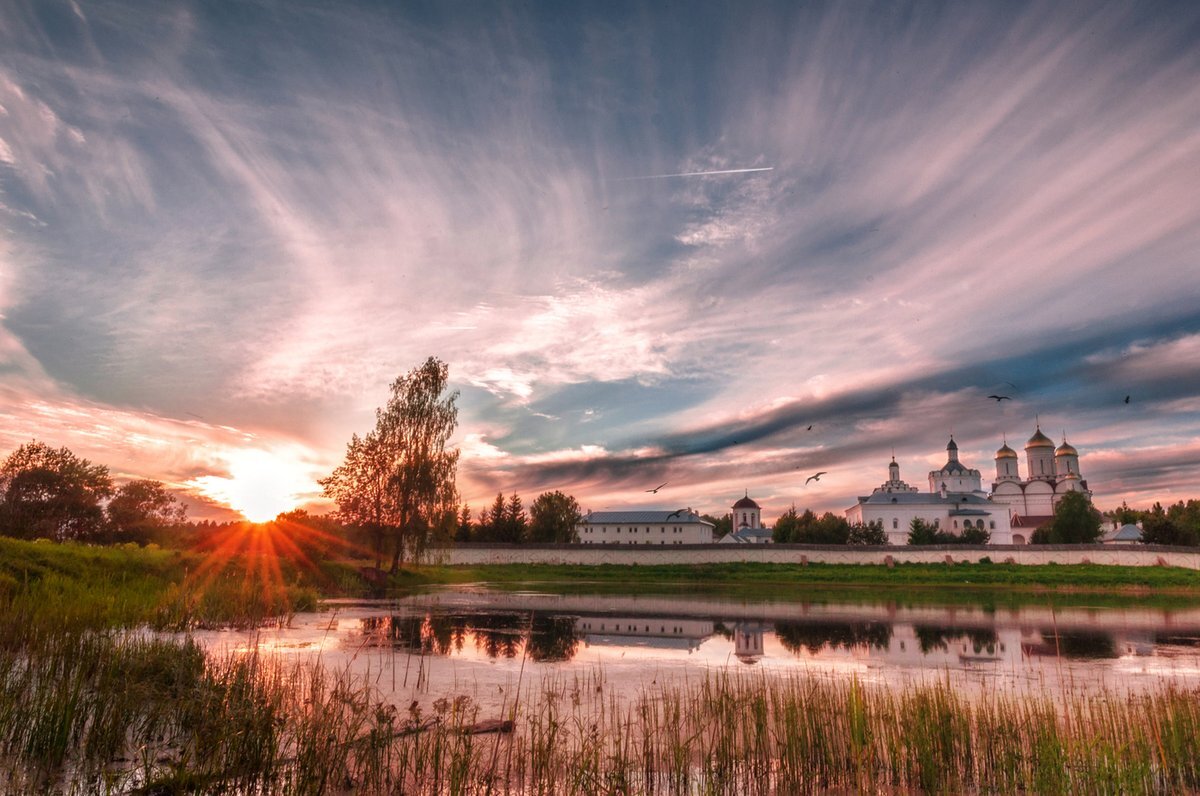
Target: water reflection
{"points": [[495, 628], [491, 645]]}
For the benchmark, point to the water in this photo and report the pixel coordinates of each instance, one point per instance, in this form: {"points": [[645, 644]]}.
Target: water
{"points": [[487, 644]]}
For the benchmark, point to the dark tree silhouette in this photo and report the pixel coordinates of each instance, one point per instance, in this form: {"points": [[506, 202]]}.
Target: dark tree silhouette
{"points": [[52, 494]]}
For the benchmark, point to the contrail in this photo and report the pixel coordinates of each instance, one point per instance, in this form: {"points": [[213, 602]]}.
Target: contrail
{"points": [[694, 174]]}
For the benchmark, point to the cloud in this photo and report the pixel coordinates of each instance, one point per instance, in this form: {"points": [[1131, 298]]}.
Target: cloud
{"points": [[265, 223]]}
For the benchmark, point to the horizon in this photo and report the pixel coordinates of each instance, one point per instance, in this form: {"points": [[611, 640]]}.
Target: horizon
{"points": [[650, 250]]}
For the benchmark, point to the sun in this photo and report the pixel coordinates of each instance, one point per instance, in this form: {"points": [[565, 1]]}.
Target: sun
{"points": [[261, 484]]}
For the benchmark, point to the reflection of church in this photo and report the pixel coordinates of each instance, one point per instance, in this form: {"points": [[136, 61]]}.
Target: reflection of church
{"points": [[748, 641]]}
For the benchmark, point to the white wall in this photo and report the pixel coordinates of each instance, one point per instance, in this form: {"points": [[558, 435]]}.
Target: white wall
{"points": [[647, 555]]}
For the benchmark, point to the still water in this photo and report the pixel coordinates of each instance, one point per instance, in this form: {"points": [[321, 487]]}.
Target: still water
{"points": [[485, 644]]}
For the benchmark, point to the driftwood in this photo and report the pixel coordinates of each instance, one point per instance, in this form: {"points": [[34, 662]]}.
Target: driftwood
{"points": [[487, 726]]}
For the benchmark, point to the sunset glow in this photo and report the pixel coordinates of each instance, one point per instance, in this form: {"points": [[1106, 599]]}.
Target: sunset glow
{"points": [[260, 485], [724, 254]]}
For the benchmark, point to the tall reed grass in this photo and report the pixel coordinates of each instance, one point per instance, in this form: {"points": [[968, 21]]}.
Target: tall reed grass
{"points": [[113, 713]]}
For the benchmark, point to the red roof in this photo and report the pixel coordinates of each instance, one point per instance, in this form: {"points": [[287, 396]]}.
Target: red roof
{"points": [[746, 503], [1032, 521]]}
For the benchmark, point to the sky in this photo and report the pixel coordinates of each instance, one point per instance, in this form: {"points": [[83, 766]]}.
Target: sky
{"points": [[225, 228]]}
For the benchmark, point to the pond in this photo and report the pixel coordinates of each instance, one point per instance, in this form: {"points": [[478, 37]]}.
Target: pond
{"points": [[487, 644]]}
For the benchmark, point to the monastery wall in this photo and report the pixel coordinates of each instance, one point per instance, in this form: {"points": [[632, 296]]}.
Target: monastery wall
{"points": [[1137, 555]]}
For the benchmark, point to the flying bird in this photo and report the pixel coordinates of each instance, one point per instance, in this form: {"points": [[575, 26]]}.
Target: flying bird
{"points": [[660, 486], [809, 428], [1126, 399], [816, 477], [676, 513], [999, 398]]}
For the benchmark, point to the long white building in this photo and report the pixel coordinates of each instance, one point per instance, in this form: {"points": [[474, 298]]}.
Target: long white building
{"points": [[656, 527]]}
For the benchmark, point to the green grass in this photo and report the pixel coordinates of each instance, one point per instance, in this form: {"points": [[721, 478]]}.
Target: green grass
{"points": [[1077, 577]]}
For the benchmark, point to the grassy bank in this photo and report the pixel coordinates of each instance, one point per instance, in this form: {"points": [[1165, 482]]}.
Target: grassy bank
{"points": [[1053, 577], [84, 586]]}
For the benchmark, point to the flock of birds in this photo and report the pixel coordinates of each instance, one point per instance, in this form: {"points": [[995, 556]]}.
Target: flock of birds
{"points": [[817, 476]]}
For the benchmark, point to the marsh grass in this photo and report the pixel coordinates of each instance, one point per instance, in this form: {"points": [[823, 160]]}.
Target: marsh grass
{"points": [[113, 712]]}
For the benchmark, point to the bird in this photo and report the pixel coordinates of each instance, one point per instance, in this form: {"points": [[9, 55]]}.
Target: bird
{"points": [[660, 486], [1126, 399], [676, 513], [816, 477], [809, 428], [999, 398]]}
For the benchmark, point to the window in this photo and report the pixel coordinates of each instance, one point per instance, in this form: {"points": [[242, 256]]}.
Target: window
{"points": [[992, 523], [895, 522]]}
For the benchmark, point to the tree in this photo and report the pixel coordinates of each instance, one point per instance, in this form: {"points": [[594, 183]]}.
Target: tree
{"points": [[975, 535], [870, 534], [553, 518], [921, 532], [516, 522], [787, 527], [398, 481], [1127, 516], [465, 526], [1075, 521], [52, 493], [1159, 527], [141, 510], [722, 526]]}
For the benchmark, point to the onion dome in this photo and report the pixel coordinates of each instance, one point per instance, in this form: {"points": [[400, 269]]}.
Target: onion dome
{"points": [[953, 446], [746, 503], [1006, 452], [1039, 440], [1066, 450]]}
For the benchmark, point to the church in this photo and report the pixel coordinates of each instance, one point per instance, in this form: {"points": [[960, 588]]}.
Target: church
{"points": [[956, 499]]}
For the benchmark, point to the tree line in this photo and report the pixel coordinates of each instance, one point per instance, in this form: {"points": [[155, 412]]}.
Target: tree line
{"points": [[50, 493], [552, 519], [806, 527]]}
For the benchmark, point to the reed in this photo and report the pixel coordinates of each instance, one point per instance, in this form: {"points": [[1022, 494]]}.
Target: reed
{"points": [[112, 712]]}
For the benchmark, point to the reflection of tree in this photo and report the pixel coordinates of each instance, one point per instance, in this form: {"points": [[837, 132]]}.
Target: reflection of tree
{"points": [[721, 630], [940, 638], [1176, 639], [552, 638], [799, 636], [498, 635], [1081, 644], [397, 632]]}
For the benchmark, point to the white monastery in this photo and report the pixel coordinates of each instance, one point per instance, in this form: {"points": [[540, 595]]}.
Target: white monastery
{"points": [[956, 499]]}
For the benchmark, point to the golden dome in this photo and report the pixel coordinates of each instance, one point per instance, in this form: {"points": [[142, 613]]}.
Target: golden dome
{"points": [[1039, 440], [1006, 452], [1066, 450]]}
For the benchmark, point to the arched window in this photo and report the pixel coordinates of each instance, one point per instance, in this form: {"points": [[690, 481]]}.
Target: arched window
{"points": [[895, 522], [992, 523]]}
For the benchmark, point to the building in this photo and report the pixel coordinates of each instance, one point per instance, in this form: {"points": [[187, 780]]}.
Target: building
{"points": [[747, 524], [1050, 473], [955, 502], [655, 526]]}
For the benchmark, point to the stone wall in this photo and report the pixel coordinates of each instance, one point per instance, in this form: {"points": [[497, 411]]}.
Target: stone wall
{"points": [[1137, 555]]}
